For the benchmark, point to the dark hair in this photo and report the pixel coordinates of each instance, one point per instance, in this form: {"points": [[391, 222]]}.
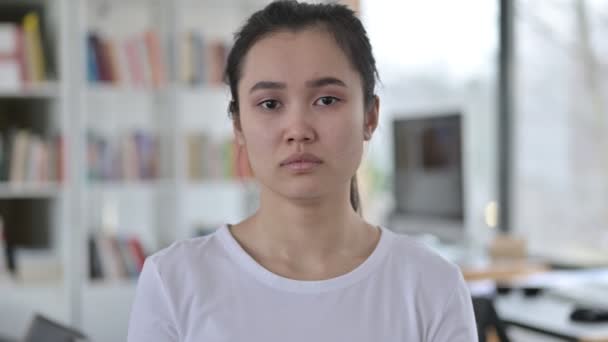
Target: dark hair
{"points": [[338, 20]]}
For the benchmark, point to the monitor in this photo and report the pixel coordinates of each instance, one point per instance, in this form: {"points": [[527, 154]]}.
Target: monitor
{"points": [[428, 175]]}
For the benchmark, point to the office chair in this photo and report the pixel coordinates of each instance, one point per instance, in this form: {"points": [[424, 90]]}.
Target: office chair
{"points": [[486, 317], [42, 329]]}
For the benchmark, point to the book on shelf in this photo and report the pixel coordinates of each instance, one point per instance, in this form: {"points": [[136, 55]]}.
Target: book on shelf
{"points": [[210, 159], [12, 58], [22, 57], [155, 59], [4, 270], [135, 61], [185, 71], [26, 157], [129, 158], [134, 66], [93, 73], [197, 151], [134, 156], [115, 257], [35, 265], [201, 60], [36, 68], [58, 159], [216, 57]]}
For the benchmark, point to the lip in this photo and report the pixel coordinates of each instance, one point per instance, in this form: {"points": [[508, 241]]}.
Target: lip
{"points": [[301, 159]]}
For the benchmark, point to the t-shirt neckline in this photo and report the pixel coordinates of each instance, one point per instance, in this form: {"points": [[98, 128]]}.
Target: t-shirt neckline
{"points": [[363, 270]]}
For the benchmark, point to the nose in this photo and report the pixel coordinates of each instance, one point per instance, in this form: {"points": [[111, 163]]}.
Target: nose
{"points": [[299, 130]]}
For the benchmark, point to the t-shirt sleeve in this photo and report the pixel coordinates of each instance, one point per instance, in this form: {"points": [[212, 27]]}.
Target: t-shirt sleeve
{"points": [[457, 320], [152, 317]]}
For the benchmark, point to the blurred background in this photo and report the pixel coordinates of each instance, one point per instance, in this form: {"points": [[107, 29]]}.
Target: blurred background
{"points": [[492, 149]]}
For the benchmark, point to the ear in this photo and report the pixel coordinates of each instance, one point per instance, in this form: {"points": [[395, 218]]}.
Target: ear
{"points": [[371, 118]]}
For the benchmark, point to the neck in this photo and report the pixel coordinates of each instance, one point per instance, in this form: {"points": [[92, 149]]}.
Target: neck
{"points": [[310, 228]]}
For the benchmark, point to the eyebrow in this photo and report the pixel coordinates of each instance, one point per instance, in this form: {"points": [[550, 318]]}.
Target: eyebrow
{"points": [[267, 85], [316, 83], [323, 81]]}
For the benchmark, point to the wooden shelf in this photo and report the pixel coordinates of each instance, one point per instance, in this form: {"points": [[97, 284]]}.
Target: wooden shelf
{"points": [[219, 89], [7, 283], [101, 284], [128, 185], [47, 90], [29, 190], [218, 182], [108, 89]]}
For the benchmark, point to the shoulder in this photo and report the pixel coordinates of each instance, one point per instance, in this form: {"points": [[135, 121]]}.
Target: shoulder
{"points": [[421, 269], [420, 258], [433, 284], [166, 285], [183, 255]]}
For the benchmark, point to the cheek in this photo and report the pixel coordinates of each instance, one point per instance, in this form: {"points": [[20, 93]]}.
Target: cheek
{"points": [[259, 140], [346, 140]]}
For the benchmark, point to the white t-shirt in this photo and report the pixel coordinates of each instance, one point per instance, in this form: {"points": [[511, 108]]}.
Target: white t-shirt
{"points": [[208, 289]]}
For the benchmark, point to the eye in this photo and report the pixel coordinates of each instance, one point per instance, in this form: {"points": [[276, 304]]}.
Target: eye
{"points": [[270, 104], [327, 100]]}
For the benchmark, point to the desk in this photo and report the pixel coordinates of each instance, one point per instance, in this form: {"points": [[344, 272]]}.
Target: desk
{"points": [[476, 264], [544, 314], [482, 277], [502, 270], [549, 316]]}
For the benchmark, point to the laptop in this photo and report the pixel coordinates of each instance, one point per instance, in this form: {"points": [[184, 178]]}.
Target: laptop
{"points": [[42, 329]]}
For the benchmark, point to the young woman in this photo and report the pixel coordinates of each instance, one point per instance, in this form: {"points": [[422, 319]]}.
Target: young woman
{"points": [[306, 266]]}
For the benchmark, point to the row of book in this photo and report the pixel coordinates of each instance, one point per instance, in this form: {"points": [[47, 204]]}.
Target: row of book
{"points": [[202, 61], [141, 61], [110, 258], [26, 263], [22, 57], [134, 156], [115, 257], [211, 159], [135, 61], [26, 157]]}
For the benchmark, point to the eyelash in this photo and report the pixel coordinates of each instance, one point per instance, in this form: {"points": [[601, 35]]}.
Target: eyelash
{"points": [[261, 104], [333, 98]]}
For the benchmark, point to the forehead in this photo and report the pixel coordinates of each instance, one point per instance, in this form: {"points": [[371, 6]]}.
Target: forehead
{"points": [[297, 56]]}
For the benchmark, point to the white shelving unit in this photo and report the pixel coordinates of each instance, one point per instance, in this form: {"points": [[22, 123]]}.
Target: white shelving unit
{"points": [[172, 207], [39, 209], [27, 190], [158, 210], [121, 206], [46, 90]]}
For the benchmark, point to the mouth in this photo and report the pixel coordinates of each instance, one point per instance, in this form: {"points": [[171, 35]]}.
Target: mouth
{"points": [[301, 162]]}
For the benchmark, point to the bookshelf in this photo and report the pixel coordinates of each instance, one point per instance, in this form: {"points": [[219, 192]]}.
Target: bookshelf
{"points": [[125, 113], [113, 135], [35, 187]]}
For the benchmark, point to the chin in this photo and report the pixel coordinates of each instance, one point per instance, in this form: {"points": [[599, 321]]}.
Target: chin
{"points": [[302, 188], [303, 193], [300, 192]]}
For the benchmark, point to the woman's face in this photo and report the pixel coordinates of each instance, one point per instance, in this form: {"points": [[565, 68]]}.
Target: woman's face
{"points": [[302, 118]]}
